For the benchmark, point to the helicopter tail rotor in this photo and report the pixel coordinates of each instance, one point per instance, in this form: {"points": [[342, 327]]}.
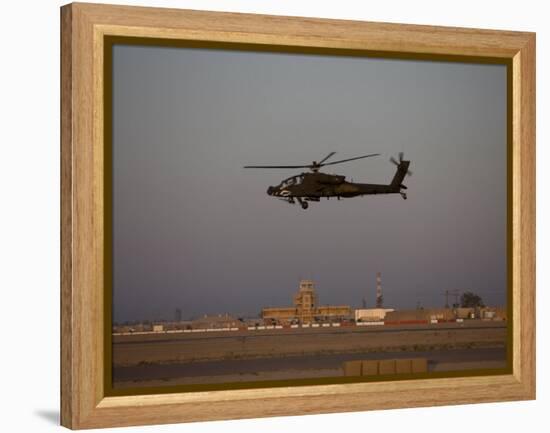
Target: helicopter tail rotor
{"points": [[401, 172], [400, 162]]}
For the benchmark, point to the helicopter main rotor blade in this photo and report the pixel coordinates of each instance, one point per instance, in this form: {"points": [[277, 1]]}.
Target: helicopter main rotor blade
{"points": [[327, 157], [349, 159], [277, 166]]}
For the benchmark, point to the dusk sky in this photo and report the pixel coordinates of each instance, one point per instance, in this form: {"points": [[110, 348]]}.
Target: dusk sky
{"points": [[194, 230]]}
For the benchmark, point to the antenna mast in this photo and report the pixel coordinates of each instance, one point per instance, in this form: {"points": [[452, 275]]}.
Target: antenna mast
{"points": [[379, 297]]}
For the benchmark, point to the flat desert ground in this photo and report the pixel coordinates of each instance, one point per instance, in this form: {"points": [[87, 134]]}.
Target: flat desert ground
{"points": [[160, 359]]}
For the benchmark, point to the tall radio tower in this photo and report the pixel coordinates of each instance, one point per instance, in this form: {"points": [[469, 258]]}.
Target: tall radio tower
{"points": [[379, 297]]}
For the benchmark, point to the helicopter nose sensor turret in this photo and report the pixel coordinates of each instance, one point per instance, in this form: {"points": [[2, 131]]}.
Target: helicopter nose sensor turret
{"points": [[271, 190]]}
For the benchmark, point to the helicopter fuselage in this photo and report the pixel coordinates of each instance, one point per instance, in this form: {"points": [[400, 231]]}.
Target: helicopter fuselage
{"points": [[319, 185], [313, 186]]}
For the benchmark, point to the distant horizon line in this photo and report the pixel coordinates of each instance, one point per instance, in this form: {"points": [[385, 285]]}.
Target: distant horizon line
{"points": [[258, 315]]}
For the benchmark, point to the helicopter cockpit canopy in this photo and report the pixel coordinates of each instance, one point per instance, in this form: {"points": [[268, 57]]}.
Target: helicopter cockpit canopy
{"points": [[294, 180]]}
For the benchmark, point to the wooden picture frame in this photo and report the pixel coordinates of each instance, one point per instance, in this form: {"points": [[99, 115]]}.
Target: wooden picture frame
{"points": [[84, 28]]}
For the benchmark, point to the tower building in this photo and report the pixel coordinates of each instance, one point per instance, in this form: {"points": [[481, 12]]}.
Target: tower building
{"points": [[306, 308], [305, 301]]}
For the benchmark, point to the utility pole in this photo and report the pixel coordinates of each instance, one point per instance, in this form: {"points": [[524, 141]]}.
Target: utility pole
{"points": [[455, 293]]}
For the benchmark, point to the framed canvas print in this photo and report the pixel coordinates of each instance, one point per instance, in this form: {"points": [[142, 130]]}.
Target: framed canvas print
{"points": [[268, 215]]}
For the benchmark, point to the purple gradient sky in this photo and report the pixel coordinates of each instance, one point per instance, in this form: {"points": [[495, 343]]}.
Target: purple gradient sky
{"points": [[194, 230]]}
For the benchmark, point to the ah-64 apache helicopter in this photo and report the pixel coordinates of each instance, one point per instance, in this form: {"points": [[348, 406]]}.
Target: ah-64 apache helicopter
{"points": [[313, 186]]}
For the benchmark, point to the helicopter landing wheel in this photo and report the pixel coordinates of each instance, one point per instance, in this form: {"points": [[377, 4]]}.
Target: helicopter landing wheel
{"points": [[304, 204], [404, 196]]}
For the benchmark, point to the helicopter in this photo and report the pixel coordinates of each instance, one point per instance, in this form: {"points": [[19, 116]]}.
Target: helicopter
{"points": [[311, 187]]}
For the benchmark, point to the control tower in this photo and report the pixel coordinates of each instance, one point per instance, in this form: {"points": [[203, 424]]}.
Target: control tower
{"points": [[305, 301]]}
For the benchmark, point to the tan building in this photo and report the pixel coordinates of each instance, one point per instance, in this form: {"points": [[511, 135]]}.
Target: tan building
{"points": [[429, 314], [306, 308], [420, 315], [371, 314], [215, 322]]}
